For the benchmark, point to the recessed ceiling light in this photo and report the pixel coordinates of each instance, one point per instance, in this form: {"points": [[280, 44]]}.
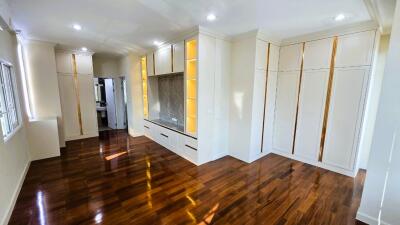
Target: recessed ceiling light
{"points": [[211, 17], [77, 27], [84, 49], [158, 43], [340, 17]]}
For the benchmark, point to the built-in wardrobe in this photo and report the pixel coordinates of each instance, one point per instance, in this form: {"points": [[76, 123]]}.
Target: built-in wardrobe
{"points": [[184, 88], [320, 99], [304, 99], [78, 104]]}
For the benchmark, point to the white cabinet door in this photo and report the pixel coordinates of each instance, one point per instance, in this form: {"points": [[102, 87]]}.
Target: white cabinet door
{"points": [[163, 60], [285, 110], [88, 105], [179, 57], [311, 112], [69, 106], [290, 57], [273, 57], [84, 64], [64, 63], [269, 111], [261, 54], [355, 49], [317, 54], [345, 115], [150, 64]]}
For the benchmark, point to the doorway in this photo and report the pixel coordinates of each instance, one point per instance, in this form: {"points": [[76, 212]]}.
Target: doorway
{"points": [[110, 96]]}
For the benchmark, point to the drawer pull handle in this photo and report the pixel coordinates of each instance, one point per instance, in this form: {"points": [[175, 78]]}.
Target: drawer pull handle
{"points": [[191, 147], [164, 135], [147, 127]]}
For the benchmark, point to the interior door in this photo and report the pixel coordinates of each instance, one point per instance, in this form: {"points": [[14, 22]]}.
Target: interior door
{"points": [[110, 99]]}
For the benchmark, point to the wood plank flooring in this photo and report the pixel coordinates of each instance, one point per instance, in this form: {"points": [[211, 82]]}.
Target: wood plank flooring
{"points": [[143, 183]]}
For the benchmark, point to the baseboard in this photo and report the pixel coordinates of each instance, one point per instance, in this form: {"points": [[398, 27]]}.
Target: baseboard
{"points": [[369, 219], [82, 136], [16, 194]]}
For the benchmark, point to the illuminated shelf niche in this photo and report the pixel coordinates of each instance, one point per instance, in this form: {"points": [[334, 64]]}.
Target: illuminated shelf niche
{"points": [[143, 64], [191, 87]]}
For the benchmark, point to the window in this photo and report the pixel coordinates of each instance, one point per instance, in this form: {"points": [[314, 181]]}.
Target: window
{"points": [[9, 115]]}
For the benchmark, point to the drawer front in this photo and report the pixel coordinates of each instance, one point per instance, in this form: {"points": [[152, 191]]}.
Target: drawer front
{"points": [[147, 129], [190, 142]]}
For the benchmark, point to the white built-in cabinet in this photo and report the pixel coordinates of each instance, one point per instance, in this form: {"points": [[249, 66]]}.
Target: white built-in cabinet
{"points": [[302, 103], [178, 57], [163, 60], [203, 59], [77, 95]]}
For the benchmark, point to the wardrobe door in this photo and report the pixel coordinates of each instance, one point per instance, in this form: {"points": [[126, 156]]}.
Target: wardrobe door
{"points": [[285, 111], [355, 49], [273, 57], [317, 54], [269, 111], [311, 110], [88, 105], [69, 106], [261, 54], [290, 57], [84, 64], [345, 115], [64, 63]]}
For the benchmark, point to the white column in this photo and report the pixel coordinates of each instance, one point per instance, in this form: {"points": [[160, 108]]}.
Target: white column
{"points": [[380, 202]]}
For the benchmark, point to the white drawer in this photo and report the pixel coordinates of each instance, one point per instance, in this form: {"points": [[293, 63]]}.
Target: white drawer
{"points": [[147, 129], [190, 142]]}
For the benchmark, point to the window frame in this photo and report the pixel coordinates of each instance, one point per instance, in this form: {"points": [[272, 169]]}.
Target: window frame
{"points": [[14, 89]]}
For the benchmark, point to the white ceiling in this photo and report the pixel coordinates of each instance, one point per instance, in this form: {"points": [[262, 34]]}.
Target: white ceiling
{"points": [[117, 26]]}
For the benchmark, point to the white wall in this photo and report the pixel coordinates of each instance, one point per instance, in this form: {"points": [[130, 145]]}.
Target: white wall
{"points": [[105, 66], [380, 201], [14, 154], [373, 100], [130, 65], [44, 92]]}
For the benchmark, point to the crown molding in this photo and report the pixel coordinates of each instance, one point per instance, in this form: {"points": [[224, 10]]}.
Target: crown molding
{"points": [[338, 31]]}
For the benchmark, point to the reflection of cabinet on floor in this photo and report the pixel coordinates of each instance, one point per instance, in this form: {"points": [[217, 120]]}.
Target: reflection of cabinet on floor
{"points": [[75, 78]]}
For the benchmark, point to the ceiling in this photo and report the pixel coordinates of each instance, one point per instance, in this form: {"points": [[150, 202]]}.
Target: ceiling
{"points": [[119, 26]]}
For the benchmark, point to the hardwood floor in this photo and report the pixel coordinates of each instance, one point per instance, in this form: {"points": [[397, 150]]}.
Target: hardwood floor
{"points": [[146, 184]]}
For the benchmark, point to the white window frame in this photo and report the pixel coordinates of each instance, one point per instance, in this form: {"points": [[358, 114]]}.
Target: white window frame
{"points": [[17, 107]]}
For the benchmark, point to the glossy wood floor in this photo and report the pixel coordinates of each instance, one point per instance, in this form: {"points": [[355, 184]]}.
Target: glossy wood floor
{"points": [[117, 179]]}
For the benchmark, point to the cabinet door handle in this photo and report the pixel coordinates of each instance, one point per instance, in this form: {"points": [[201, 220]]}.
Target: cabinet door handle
{"points": [[147, 127], [191, 147], [164, 135]]}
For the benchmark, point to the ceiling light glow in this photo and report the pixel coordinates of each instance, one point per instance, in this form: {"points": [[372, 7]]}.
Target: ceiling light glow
{"points": [[84, 49], [340, 17], [77, 27], [211, 17], [158, 43], [1, 29]]}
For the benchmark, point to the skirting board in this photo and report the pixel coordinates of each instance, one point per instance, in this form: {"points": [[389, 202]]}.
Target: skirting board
{"points": [[16, 194], [317, 164], [82, 136], [369, 219]]}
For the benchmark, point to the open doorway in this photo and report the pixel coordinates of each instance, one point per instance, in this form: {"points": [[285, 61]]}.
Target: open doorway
{"points": [[110, 102]]}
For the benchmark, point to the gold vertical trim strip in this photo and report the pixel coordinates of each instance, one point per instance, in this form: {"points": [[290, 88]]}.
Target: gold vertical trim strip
{"points": [[265, 97], [298, 97], [328, 99], [76, 86]]}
